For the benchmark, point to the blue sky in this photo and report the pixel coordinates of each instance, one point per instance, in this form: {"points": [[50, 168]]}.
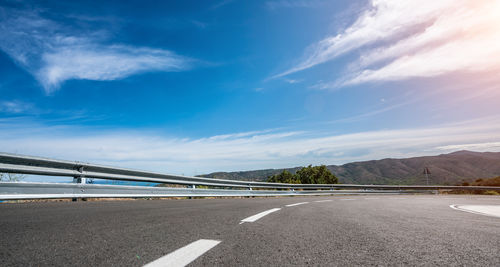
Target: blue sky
{"points": [[198, 86]]}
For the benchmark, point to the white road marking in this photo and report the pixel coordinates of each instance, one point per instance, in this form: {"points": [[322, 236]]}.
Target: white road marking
{"points": [[259, 215], [319, 201], [296, 204], [371, 198], [347, 199], [184, 255], [488, 210]]}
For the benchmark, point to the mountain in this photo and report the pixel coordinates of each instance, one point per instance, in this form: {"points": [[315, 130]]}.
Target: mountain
{"points": [[446, 169]]}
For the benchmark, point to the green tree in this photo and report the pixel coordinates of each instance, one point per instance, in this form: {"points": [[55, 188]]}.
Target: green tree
{"points": [[306, 175], [316, 175], [11, 177], [284, 177]]}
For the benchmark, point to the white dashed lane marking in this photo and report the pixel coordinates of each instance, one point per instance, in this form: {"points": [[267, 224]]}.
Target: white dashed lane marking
{"points": [[319, 201], [259, 215], [185, 255], [296, 204]]}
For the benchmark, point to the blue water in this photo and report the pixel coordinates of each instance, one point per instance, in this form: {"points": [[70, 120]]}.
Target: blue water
{"points": [[53, 179]]}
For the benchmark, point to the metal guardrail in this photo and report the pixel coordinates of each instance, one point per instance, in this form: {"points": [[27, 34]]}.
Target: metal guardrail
{"points": [[19, 190], [12, 163]]}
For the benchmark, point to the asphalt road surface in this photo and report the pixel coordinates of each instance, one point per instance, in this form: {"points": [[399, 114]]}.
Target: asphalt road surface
{"points": [[337, 230]]}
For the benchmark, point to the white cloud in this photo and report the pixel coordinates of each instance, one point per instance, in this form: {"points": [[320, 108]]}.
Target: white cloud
{"points": [[239, 151], [55, 53], [103, 63], [403, 39], [476, 147]]}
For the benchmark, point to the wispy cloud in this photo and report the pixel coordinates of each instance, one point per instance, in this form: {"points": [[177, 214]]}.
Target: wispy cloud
{"points": [[103, 63], [488, 146], [294, 3], [221, 4], [15, 107], [374, 112], [199, 24], [240, 151], [404, 39], [292, 81], [55, 53]]}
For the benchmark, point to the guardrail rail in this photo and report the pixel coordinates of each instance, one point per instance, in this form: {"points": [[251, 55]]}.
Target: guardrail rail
{"points": [[80, 171]]}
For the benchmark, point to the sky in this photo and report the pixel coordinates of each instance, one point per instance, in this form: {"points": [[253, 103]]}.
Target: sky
{"points": [[192, 87]]}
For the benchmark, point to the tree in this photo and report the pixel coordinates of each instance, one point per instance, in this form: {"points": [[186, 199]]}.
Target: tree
{"points": [[306, 175], [316, 175], [11, 177], [283, 177]]}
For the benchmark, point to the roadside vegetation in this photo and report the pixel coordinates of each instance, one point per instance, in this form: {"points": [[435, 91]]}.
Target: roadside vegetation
{"points": [[306, 175], [11, 177], [485, 182], [480, 182]]}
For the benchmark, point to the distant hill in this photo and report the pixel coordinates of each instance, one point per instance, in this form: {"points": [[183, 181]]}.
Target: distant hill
{"points": [[446, 169]]}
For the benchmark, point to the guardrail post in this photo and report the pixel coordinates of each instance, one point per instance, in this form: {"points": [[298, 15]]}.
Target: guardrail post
{"points": [[192, 187], [250, 189], [80, 180]]}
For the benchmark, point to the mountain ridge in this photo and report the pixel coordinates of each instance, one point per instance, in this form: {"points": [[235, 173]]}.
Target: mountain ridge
{"points": [[446, 169]]}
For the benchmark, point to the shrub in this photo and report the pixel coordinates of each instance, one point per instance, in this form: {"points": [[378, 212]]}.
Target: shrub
{"points": [[306, 175], [284, 177], [11, 177]]}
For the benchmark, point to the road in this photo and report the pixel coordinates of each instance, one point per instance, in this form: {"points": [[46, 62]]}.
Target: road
{"points": [[336, 230]]}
